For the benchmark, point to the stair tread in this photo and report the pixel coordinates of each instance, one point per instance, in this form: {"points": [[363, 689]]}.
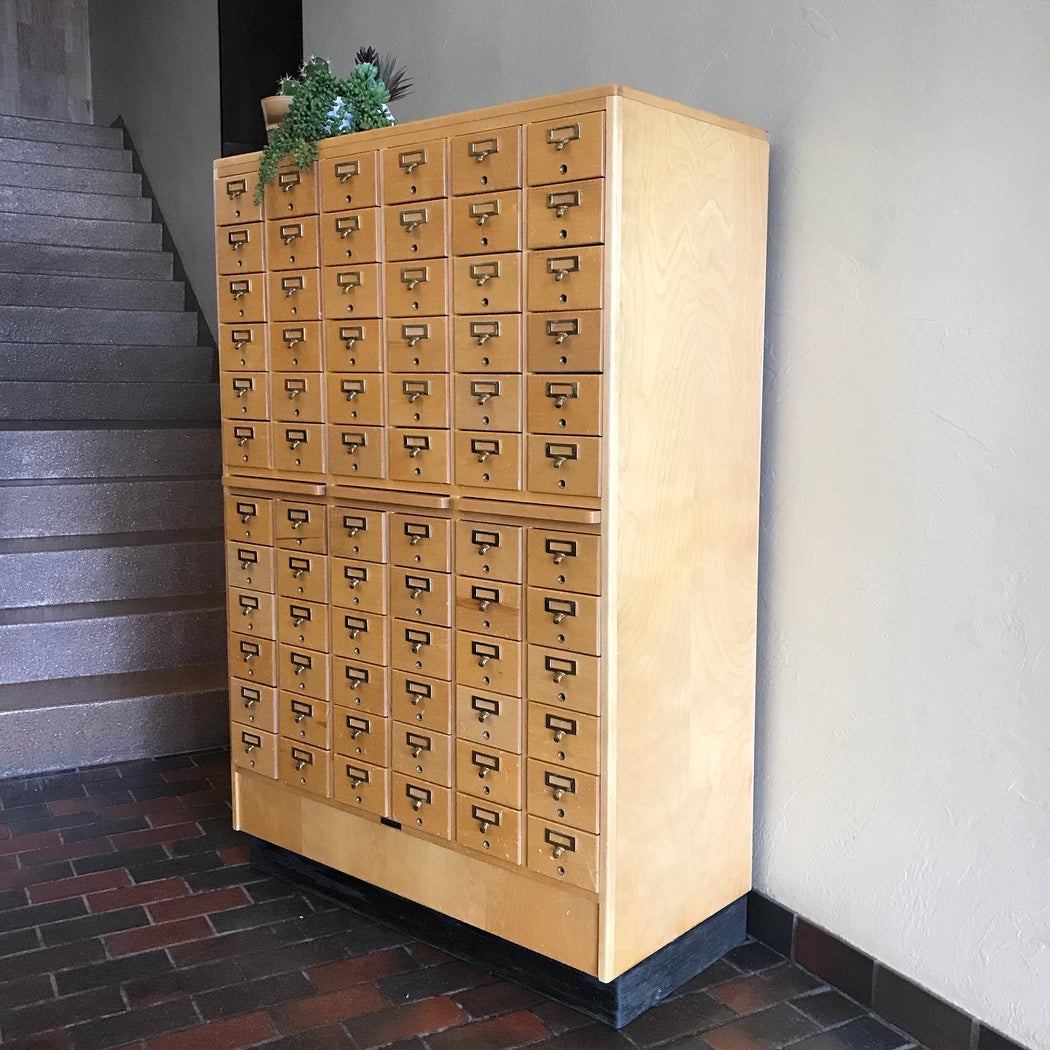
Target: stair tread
{"points": [[15, 483], [32, 426], [92, 541], [31, 614], [32, 128]]}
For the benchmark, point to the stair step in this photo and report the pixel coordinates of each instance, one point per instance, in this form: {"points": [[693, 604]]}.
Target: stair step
{"points": [[41, 130], [79, 233], [71, 507], [75, 205], [116, 451], [106, 293], [63, 570], [42, 643], [37, 362], [88, 262], [162, 327], [143, 400], [64, 154], [78, 180]]}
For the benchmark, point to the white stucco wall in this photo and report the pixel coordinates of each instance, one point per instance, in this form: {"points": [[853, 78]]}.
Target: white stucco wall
{"points": [[903, 794]]}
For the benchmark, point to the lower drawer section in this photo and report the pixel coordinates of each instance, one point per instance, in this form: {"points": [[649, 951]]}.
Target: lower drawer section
{"points": [[254, 750], [491, 829], [563, 853], [303, 767], [360, 785], [422, 806]]}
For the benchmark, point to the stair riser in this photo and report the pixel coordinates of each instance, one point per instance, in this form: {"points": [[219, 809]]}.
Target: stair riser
{"points": [[12, 127], [70, 361], [74, 205], [79, 233], [110, 645], [168, 402], [109, 453], [25, 324], [64, 155], [78, 180], [88, 262], [104, 293]]}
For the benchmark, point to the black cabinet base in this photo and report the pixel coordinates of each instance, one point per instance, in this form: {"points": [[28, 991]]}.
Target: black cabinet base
{"points": [[616, 1002]]}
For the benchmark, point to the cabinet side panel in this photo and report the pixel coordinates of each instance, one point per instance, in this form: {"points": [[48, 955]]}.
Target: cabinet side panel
{"points": [[683, 484]]}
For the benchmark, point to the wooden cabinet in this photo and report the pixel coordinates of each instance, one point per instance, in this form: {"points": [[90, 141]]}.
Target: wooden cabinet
{"points": [[491, 396]]}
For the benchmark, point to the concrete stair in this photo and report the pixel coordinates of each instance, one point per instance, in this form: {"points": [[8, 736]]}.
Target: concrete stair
{"points": [[112, 616]]}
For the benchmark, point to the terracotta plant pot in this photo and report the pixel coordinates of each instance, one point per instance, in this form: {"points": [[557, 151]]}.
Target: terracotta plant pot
{"points": [[275, 109]]}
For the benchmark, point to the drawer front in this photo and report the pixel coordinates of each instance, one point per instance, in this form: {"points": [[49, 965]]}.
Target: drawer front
{"points": [[565, 341], [417, 288], [306, 720], [295, 295], [358, 533], [251, 613], [302, 672], [488, 460], [302, 576], [563, 795], [487, 344], [420, 455], [415, 230], [487, 222], [239, 249], [291, 244], [254, 750], [349, 181], [563, 620], [418, 400], [359, 585], [360, 735], [351, 292], [489, 718], [421, 542], [489, 773], [421, 753], [234, 199], [559, 679], [296, 346], [298, 396], [488, 663], [421, 596], [360, 785], [422, 702], [303, 623], [489, 551], [488, 607], [562, 853], [415, 172], [417, 345], [242, 298], [564, 738], [567, 561], [350, 237], [359, 635], [416, 804], [299, 446], [488, 402], [251, 566], [301, 526], [493, 830], [359, 686], [569, 466], [355, 400], [292, 192], [421, 647], [566, 148], [565, 404], [566, 278], [254, 659], [483, 284], [243, 346], [571, 213], [245, 395], [304, 767], [249, 518], [354, 346], [252, 705], [356, 451], [486, 160]]}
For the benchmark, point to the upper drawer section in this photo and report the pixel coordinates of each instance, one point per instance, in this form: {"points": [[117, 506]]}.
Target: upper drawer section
{"points": [[292, 192], [486, 160], [566, 148], [239, 248], [414, 172], [234, 193], [349, 181]]}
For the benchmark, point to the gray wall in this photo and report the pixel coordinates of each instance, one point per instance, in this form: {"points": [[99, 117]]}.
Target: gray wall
{"points": [[903, 795], [156, 64]]}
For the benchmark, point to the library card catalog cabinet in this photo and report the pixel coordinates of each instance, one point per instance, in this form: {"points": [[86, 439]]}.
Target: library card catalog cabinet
{"points": [[490, 396]]}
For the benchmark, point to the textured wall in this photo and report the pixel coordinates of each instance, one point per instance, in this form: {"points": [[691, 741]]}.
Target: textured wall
{"points": [[903, 794], [156, 64]]}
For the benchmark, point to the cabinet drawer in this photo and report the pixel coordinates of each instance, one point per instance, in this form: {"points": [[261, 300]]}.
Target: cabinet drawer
{"points": [[249, 566], [488, 607], [420, 455], [350, 237], [415, 231], [419, 345], [359, 686], [483, 284], [487, 222], [569, 466], [246, 446], [565, 404], [487, 344], [301, 526], [489, 718], [354, 347], [421, 753], [243, 346], [303, 576], [239, 249], [294, 295], [360, 785], [298, 396], [355, 451], [567, 278], [563, 853], [488, 460], [296, 346], [359, 635], [349, 181], [562, 679], [565, 341], [306, 720], [359, 585], [566, 148], [563, 795], [493, 830], [421, 647], [358, 533], [486, 160], [304, 623], [254, 659], [299, 446], [254, 706], [242, 298], [245, 395], [488, 663], [302, 671], [567, 561], [360, 735], [251, 613], [417, 289], [489, 773], [414, 173], [421, 596], [351, 291], [291, 244], [292, 192], [303, 767], [421, 542], [488, 403], [488, 550], [564, 738], [254, 750], [234, 199], [421, 806], [422, 702], [418, 400], [563, 620], [355, 399], [249, 518], [572, 213]]}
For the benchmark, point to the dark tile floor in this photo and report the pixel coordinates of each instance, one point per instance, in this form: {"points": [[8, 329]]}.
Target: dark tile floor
{"points": [[129, 918]]}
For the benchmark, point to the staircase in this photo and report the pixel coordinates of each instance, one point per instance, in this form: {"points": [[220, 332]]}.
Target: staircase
{"points": [[111, 568]]}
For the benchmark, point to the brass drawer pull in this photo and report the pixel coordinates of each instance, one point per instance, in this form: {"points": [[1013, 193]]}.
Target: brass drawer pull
{"points": [[357, 776], [560, 843], [559, 393], [559, 138], [351, 388], [483, 389], [416, 444], [235, 188], [560, 454], [484, 596], [298, 566], [241, 337], [353, 440], [347, 169], [417, 585], [414, 389], [357, 676], [562, 266], [413, 219], [416, 531], [357, 726], [484, 448], [250, 696], [288, 180], [297, 517], [484, 541], [355, 575], [560, 329], [238, 239], [250, 651], [291, 232], [293, 336], [244, 435], [292, 285], [251, 742], [294, 387], [482, 211], [347, 224], [559, 668], [302, 711], [243, 385], [414, 275], [247, 557], [247, 511], [354, 524], [410, 159], [300, 614], [559, 550], [484, 707], [301, 663], [482, 331], [414, 333], [239, 289], [355, 625], [420, 796], [295, 438], [486, 818], [559, 608], [479, 149], [417, 639], [484, 652], [560, 727], [561, 202], [347, 280], [302, 759], [485, 763], [248, 604], [418, 692], [418, 744], [484, 271], [351, 334]]}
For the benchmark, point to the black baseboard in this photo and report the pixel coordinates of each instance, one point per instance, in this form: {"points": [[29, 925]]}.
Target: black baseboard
{"points": [[616, 1002]]}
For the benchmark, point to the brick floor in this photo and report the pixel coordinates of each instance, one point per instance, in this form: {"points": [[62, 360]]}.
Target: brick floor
{"points": [[129, 917]]}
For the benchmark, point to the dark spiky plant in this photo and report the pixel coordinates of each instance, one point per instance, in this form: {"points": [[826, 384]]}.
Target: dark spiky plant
{"points": [[397, 80]]}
